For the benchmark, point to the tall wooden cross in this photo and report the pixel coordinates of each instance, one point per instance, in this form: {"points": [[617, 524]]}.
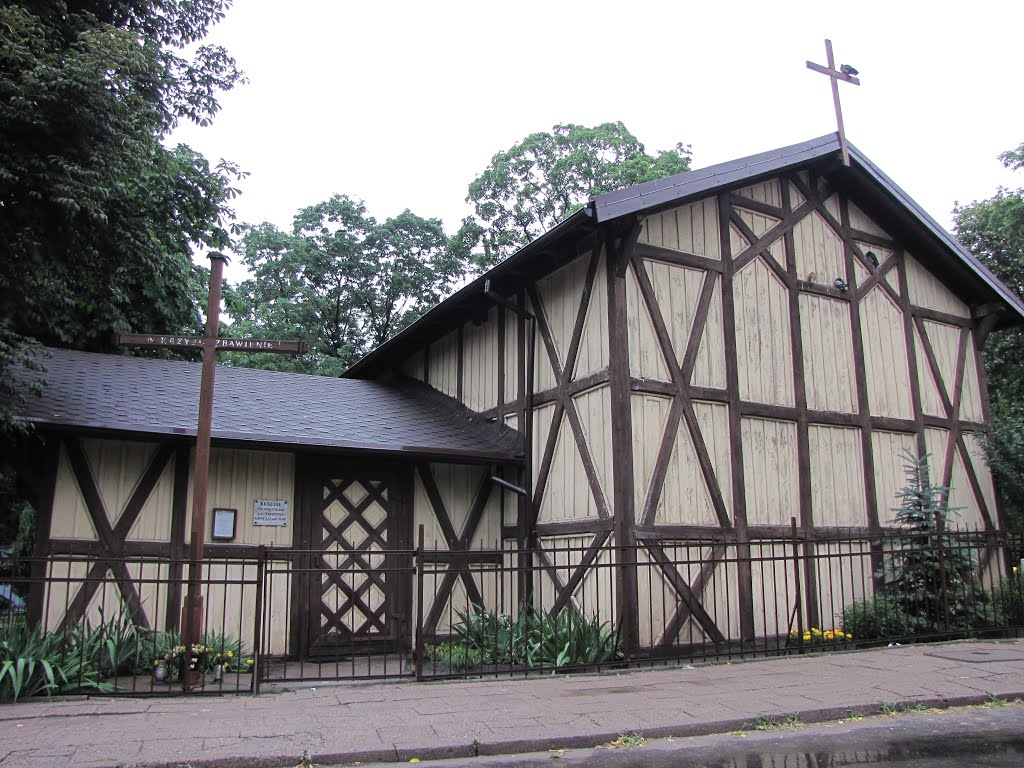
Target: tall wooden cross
{"points": [[192, 610], [847, 74]]}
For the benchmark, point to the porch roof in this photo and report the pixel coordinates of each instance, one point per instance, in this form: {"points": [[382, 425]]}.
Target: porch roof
{"points": [[112, 394]]}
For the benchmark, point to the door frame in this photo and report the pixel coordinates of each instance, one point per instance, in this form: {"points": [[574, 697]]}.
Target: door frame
{"points": [[310, 471]]}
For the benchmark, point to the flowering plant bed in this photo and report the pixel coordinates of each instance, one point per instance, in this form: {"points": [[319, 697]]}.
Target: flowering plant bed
{"points": [[815, 636]]}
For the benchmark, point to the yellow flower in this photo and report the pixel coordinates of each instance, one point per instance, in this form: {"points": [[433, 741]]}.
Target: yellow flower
{"points": [[849, 637], [248, 661], [830, 635], [815, 632], [793, 633], [230, 654], [807, 635]]}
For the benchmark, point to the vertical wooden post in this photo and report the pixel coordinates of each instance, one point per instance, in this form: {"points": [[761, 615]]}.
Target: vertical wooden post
{"points": [[192, 611], [623, 513], [418, 653]]}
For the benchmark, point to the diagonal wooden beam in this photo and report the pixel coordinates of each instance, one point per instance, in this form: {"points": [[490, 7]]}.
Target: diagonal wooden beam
{"points": [[766, 254], [686, 594], [759, 245]]}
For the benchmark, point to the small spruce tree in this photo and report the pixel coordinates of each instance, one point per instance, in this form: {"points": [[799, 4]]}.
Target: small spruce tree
{"points": [[930, 574]]}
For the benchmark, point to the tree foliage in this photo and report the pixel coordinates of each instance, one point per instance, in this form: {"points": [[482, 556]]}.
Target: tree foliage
{"points": [[340, 280], [993, 230], [97, 216], [529, 188]]}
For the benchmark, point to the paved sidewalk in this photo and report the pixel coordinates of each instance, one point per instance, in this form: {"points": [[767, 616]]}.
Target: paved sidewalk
{"points": [[345, 723]]}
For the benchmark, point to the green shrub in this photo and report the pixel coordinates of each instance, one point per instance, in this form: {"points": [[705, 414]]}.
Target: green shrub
{"points": [[1008, 601], [455, 655], [536, 638], [33, 662], [879, 619]]}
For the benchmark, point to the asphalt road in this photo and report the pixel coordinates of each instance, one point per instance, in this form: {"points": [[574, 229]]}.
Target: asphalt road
{"points": [[992, 737]]}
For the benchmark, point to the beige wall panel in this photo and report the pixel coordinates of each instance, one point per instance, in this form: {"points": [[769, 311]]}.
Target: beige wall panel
{"points": [[70, 516], [685, 497], [230, 605], [480, 363], [886, 362], [844, 577], [444, 364], [759, 224], [561, 293], [412, 366], [541, 426], [832, 206], [237, 479], [544, 374], [512, 361], [595, 594], [770, 471], [764, 192], [690, 228], [936, 442], [944, 340], [458, 485], [117, 467], [819, 251], [594, 408], [931, 403], [964, 511], [889, 450], [927, 291], [764, 349], [658, 600], [976, 450], [645, 358], [512, 421], [970, 399], [567, 495], [774, 595], [830, 380], [709, 367], [796, 198], [106, 605], [861, 221], [593, 350], [837, 476]]}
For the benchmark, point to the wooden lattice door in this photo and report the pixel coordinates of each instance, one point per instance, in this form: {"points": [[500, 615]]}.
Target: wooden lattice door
{"points": [[359, 576]]}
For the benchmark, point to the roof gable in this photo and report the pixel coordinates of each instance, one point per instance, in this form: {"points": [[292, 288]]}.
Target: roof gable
{"points": [[863, 179]]}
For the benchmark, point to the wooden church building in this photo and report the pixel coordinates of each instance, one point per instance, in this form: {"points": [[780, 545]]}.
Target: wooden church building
{"points": [[700, 358]]}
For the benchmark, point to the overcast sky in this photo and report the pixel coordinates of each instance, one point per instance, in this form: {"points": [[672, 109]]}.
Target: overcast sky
{"points": [[402, 104]]}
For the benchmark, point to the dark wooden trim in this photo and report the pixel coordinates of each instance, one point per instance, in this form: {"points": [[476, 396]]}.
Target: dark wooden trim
{"points": [[678, 258], [866, 237], [941, 317], [745, 587], [50, 461], [623, 509], [803, 447], [910, 341], [460, 362], [500, 404], [785, 277], [756, 206], [179, 522], [753, 250], [575, 527]]}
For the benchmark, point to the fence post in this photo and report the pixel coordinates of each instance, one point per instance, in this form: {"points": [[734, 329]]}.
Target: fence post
{"points": [[417, 655], [940, 543], [796, 580], [257, 640]]}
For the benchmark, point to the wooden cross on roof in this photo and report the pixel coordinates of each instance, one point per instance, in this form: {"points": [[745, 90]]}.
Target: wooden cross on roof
{"points": [[847, 74], [192, 610]]}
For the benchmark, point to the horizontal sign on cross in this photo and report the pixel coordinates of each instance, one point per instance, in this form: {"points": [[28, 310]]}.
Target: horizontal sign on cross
{"points": [[221, 344]]}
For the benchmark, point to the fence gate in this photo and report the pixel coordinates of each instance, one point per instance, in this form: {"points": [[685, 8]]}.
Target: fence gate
{"points": [[359, 582]]}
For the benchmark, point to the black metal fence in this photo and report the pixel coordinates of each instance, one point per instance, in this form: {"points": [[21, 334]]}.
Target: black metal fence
{"points": [[81, 623]]}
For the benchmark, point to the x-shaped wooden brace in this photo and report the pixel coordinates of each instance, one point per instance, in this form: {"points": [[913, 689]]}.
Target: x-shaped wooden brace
{"points": [[952, 408], [682, 406], [459, 556], [112, 539], [564, 589], [690, 594], [333, 574], [564, 404]]}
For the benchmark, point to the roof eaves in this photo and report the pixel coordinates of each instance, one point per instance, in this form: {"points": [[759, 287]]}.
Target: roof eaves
{"points": [[937, 230], [691, 183]]}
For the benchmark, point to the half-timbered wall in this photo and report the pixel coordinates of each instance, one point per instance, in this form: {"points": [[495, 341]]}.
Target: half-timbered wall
{"points": [[117, 499]]}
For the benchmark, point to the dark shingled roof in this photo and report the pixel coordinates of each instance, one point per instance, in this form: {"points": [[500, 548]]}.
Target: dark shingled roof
{"points": [[114, 394]]}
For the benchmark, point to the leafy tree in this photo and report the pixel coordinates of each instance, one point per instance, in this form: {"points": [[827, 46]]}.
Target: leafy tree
{"points": [[537, 183], [993, 230], [340, 281], [97, 217]]}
